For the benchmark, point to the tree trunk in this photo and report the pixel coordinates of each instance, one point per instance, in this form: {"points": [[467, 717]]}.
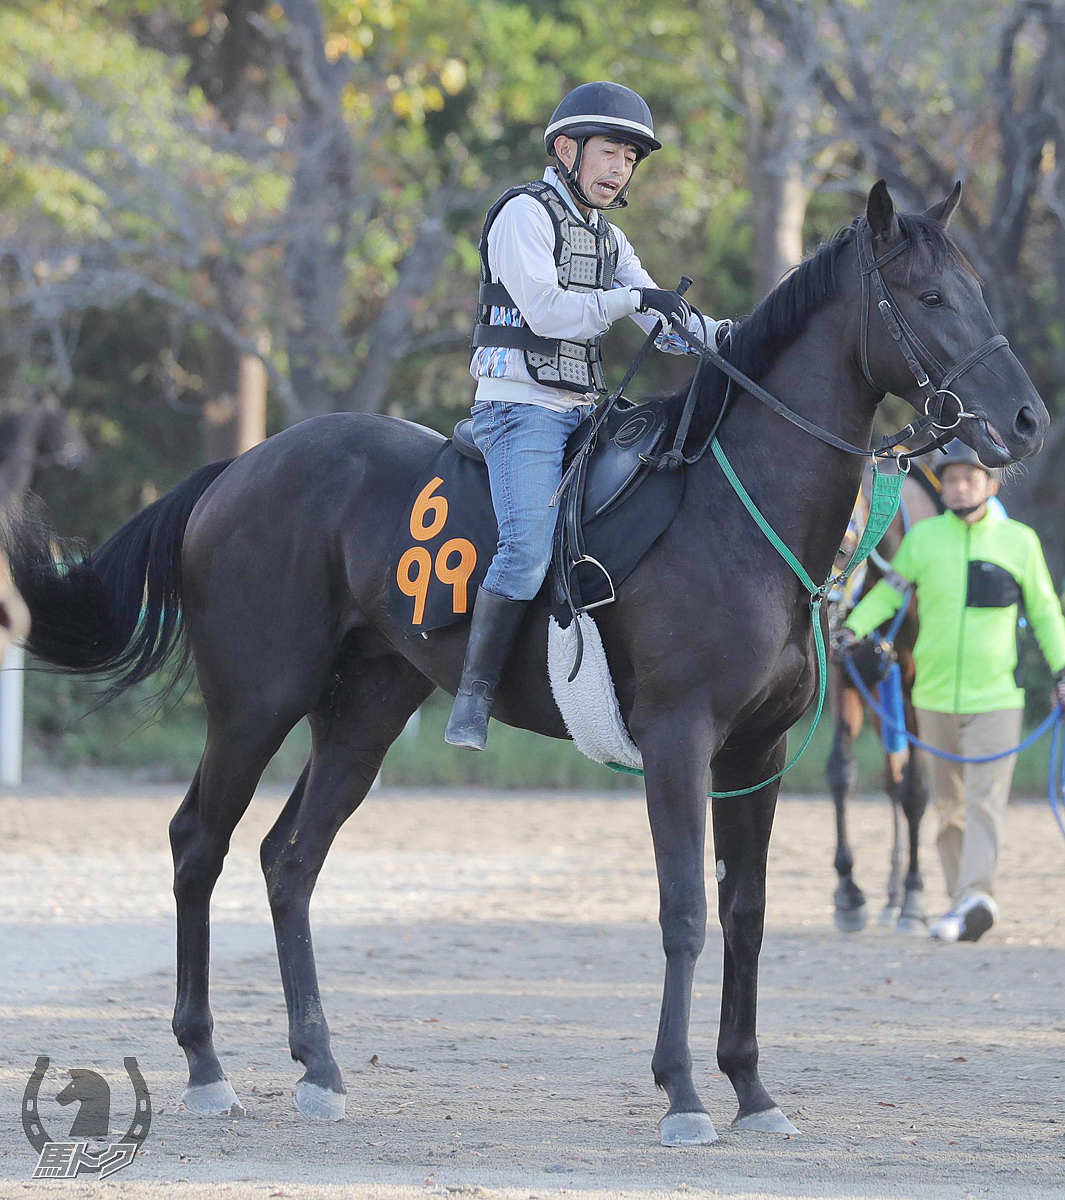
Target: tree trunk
{"points": [[319, 214], [234, 417], [776, 140], [779, 196]]}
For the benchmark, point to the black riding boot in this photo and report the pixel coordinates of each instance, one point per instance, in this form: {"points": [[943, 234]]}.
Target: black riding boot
{"points": [[495, 622]]}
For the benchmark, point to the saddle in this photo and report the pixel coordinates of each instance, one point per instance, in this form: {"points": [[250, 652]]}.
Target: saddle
{"points": [[617, 464], [448, 534]]}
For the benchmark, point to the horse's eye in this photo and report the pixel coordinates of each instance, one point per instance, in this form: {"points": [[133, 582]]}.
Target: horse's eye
{"points": [[932, 299]]}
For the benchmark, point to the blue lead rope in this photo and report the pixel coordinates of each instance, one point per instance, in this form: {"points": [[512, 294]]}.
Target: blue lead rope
{"points": [[1054, 723], [1056, 772]]}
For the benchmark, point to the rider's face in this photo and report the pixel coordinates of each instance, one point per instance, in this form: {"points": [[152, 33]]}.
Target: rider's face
{"points": [[606, 166]]}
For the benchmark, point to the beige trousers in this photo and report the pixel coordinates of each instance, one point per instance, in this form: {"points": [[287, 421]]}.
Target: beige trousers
{"points": [[970, 797]]}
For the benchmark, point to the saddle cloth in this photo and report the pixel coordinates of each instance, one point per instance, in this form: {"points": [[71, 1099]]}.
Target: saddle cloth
{"points": [[447, 534]]}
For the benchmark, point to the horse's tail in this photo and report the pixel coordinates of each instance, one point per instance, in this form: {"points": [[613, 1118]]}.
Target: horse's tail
{"points": [[115, 612]]}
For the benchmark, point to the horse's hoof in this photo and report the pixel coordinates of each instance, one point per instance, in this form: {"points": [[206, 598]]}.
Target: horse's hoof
{"points": [[319, 1103], [770, 1121], [216, 1099], [850, 920], [911, 926], [888, 919], [686, 1129]]}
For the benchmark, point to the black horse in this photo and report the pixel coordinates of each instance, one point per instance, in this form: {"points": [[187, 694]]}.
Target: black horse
{"points": [[275, 567], [904, 776]]}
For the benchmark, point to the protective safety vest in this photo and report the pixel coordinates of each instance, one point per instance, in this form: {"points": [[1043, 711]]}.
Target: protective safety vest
{"points": [[585, 257]]}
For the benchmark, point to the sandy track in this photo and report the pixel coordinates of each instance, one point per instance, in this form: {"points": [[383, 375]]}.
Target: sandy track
{"points": [[491, 972]]}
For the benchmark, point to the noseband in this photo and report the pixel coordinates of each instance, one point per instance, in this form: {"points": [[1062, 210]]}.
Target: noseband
{"points": [[913, 349]]}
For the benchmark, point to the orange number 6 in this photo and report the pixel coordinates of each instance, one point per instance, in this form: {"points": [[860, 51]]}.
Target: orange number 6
{"points": [[459, 575], [418, 586], [425, 504]]}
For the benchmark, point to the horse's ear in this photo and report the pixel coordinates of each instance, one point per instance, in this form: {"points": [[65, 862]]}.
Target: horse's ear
{"points": [[880, 212], [944, 210]]}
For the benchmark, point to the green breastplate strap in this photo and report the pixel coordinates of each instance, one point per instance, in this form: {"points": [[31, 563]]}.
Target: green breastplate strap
{"points": [[883, 505]]}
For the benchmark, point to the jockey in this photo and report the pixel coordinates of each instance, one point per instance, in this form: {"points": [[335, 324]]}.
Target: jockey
{"points": [[555, 275]]}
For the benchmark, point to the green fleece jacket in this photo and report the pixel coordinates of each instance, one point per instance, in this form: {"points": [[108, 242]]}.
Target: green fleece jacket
{"points": [[970, 580]]}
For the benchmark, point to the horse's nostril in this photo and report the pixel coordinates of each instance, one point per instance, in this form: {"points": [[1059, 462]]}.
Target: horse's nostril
{"points": [[1025, 423]]}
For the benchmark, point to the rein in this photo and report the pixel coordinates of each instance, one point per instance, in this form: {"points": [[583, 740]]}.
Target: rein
{"points": [[909, 343]]}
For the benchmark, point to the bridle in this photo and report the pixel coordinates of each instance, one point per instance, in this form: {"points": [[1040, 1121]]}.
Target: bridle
{"points": [[930, 423], [911, 346]]}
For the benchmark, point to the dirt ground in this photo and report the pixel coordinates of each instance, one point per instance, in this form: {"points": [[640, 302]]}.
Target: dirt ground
{"points": [[491, 971]]}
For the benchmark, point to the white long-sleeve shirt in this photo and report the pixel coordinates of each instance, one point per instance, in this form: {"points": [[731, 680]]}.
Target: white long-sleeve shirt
{"points": [[521, 255]]}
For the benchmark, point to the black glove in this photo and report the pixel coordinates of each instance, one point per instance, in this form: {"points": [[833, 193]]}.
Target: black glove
{"points": [[672, 305]]}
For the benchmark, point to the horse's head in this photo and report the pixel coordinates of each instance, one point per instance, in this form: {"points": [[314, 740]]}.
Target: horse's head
{"points": [[944, 321], [84, 1086]]}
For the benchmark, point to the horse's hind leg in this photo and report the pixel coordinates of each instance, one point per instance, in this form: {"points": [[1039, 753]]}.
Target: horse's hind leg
{"points": [[352, 728], [841, 771], [233, 761], [894, 770], [914, 801]]}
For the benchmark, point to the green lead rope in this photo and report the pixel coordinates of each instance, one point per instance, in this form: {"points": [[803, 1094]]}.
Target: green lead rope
{"points": [[883, 505]]}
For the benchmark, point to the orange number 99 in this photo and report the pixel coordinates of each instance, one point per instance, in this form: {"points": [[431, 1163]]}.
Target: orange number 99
{"points": [[425, 504], [457, 576], [416, 586]]}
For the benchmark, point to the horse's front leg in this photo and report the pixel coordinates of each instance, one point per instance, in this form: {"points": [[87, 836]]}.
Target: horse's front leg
{"points": [[742, 826], [676, 756]]}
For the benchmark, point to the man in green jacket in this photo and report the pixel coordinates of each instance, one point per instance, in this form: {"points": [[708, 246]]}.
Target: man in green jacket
{"points": [[971, 568]]}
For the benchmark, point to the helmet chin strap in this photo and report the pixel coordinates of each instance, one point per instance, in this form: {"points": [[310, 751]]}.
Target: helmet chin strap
{"points": [[569, 174], [967, 510]]}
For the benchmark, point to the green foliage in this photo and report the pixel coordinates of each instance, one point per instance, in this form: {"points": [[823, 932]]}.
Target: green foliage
{"points": [[140, 446], [76, 90]]}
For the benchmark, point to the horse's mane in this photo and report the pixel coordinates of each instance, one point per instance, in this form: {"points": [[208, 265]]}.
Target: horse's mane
{"points": [[778, 319]]}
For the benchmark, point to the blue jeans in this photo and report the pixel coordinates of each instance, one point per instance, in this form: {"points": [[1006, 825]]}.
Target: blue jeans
{"points": [[523, 445]]}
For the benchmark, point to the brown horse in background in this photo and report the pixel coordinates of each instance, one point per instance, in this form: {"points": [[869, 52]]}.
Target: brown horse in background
{"points": [[904, 778]]}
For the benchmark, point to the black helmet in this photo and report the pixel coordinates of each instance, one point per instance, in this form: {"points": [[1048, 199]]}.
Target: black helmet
{"points": [[956, 451], [609, 109]]}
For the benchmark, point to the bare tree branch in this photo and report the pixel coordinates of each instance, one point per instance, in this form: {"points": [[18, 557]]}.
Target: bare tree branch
{"points": [[111, 288], [391, 336]]}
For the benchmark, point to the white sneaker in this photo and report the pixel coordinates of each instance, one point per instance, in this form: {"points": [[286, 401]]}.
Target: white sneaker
{"points": [[946, 929], [973, 917], [978, 913]]}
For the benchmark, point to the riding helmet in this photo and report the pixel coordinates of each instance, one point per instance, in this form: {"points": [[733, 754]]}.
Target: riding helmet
{"points": [[609, 109], [956, 451]]}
